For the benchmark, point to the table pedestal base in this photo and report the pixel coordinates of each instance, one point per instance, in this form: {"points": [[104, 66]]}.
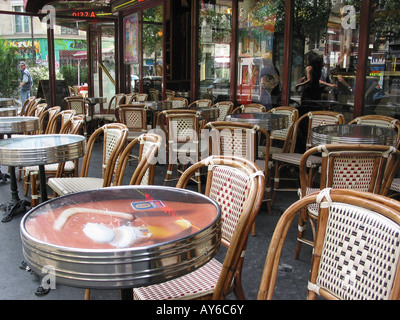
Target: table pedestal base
{"points": [[16, 205], [13, 209], [4, 176]]}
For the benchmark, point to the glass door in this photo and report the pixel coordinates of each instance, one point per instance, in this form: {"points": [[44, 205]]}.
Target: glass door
{"points": [[152, 49]]}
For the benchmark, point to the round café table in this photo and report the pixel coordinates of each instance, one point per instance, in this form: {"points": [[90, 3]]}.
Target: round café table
{"points": [[267, 121], [8, 112], [352, 133], [39, 150], [9, 126], [121, 237], [6, 102]]}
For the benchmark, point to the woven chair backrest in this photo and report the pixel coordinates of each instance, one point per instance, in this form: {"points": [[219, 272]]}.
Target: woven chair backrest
{"points": [[133, 116]]}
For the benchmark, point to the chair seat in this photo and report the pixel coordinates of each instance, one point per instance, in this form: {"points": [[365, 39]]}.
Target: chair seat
{"points": [[294, 158], [63, 186], [198, 283], [68, 167], [395, 186]]}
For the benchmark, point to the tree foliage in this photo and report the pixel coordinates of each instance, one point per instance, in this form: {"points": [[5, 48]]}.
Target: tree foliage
{"points": [[310, 18], [9, 73]]}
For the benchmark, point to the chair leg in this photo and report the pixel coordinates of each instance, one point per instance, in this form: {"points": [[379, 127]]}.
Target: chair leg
{"points": [[34, 190], [169, 173], [26, 184], [198, 180], [87, 294], [303, 219], [276, 181]]}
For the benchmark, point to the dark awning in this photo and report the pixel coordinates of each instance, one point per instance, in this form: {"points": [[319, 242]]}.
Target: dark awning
{"points": [[67, 6], [35, 5]]}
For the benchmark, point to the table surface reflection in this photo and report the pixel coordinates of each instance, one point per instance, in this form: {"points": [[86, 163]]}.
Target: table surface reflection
{"points": [[268, 121], [120, 237], [352, 133]]}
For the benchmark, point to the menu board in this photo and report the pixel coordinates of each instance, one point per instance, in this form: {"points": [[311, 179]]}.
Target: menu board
{"points": [[61, 91]]}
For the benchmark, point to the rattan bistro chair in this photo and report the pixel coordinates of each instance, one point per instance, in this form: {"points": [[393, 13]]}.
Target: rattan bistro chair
{"points": [[292, 158], [241, 139], [109, 116], [179, 102], [74, 125], [281, 139], [134, 116], [201, 103], [356, 251], [114, 140], [250, 108], [237, 185], [28, 102], [379, 121], [79, 104], [225, 108], [346, 166], [149, 144], [182, 129]]}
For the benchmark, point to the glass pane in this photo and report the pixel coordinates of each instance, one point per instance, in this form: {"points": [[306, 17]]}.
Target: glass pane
{"points": [[214, 49], [325, 56], [152, 48], [108, 61], [258, 76], [382, 91]]}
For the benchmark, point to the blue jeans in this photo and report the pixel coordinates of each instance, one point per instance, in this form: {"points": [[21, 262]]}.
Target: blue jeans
{"points": [[24, 95]]}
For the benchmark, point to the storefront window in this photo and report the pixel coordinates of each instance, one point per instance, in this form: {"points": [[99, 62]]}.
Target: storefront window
{"points": [[215, 49], [325, 37], [108, 61], [258, 79], [382, 90], [152, 48]]}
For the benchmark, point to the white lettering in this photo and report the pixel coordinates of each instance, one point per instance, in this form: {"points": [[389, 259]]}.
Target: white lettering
{"points": [[349, 21]]}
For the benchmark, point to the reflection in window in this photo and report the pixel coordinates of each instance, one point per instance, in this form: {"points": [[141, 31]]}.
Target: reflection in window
{"points": [[258, 77], [328, 31], [214, 50], [152, 48], [382, 91]]}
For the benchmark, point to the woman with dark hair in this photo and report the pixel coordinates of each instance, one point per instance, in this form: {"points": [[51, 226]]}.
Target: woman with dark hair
{"points": [[311, 82]]}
